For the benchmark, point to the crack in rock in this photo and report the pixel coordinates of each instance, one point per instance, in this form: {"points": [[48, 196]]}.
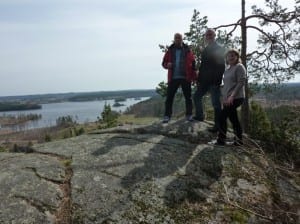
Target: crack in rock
{"points": [[34, 170], [63, 214]]}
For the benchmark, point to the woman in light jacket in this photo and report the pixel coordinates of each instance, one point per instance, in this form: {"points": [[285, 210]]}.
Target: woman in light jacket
{"points": [[233, 97]]}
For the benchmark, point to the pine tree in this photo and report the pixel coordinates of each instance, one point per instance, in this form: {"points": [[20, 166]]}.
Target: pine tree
{"points": [[108, 117], [277, 57]]}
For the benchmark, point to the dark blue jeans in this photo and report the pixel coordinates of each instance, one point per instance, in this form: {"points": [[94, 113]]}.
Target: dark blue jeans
{"points": [[171, 91], [215, 100]]}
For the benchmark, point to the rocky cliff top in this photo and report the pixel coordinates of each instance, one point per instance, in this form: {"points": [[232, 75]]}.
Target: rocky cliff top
{"points": [[146, 174]]}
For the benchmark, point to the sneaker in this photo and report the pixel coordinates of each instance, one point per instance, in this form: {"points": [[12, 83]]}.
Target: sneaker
{"points": [[197, 119], [189, 118], [220, 142], [217, 142], [166, 119], [213, 130]]}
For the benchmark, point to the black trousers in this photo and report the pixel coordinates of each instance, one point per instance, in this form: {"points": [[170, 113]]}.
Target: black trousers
{"points": [[171, 91], [231, 113]]}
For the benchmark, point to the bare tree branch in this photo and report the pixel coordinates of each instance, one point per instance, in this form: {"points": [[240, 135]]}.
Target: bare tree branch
{"points": [[238, 23], [270, 19], [263, 32], [228, 25], [256, 52], [277, 22], [273, 40]]}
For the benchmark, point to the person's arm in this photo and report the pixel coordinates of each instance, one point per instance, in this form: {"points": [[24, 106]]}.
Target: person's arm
{"points": [[240, 74], [193, 66], [220, 65], [166, 60]]}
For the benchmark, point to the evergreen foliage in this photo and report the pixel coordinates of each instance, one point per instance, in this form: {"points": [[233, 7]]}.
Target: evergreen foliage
{"points": [[79, 131], [65, 121], [153, 107], [18, 106], [285, 141], [195, 36], [108, 117], [278, 130], [259, 123], [47, 138], [161, 89]]}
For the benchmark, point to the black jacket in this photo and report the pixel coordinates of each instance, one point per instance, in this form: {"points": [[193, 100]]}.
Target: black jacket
{"points": [[212, 65]]}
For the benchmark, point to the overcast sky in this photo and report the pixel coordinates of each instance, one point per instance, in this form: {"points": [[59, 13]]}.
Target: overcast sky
{"points": [[58, 46]]}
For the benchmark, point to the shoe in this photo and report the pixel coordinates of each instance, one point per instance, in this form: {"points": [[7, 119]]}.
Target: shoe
{"points": [[197, 119], [213, 130], [217, 142], [220, 142], [166, 119], [189, 118]]}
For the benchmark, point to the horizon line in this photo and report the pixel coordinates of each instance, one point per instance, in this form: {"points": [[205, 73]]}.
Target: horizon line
{"points": [[73, 92]]}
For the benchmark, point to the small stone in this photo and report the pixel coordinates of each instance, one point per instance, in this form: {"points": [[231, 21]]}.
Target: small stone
{"points": [[97, 178]]}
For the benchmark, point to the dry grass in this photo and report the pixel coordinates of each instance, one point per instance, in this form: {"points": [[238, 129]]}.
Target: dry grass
{"points": [[131, 119], [9, 138]]}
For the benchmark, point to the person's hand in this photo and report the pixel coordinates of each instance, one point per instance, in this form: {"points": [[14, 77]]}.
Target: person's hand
{"points": [[169, 65], [229, 101]]}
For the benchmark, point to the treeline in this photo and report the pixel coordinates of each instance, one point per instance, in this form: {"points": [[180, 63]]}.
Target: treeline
{"points": [[155, 106], [152, 107], [18, 119], [85, 96], [117, 95], [18, 106], [287, 91]]}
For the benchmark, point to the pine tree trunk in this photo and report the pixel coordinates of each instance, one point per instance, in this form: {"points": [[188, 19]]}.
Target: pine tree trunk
{"points": [[245, 106]]}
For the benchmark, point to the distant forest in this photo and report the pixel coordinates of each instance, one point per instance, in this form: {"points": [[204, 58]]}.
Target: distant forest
{"points": [[18, 106], [289, 91], [117, 95], [75, 97]]}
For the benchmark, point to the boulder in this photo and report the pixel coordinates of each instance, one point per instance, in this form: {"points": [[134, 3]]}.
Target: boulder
{"points": [[144, 174]]}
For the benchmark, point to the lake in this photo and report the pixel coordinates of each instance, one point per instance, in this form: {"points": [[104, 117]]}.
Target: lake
{"points": [[82, 112]]}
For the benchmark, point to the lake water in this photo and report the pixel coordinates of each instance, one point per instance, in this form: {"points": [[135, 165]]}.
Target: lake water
{"points": [[82, 112]]}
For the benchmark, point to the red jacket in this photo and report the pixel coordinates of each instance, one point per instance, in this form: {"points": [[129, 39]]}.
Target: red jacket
{"points": [[190, 68]]}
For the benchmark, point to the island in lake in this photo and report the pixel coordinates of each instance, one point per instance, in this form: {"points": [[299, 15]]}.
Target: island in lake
{"points": [[12, 106]]}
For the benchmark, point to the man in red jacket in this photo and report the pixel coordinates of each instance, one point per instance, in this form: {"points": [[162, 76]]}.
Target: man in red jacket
{"points": [[180, 62]]}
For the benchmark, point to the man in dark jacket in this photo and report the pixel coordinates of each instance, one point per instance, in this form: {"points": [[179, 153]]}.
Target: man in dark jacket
{"points": [[210, 77], [180, 62]]}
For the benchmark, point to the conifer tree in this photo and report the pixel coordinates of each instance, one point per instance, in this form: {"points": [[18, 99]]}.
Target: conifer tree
{"points": [[108, 117], [277, 57]]}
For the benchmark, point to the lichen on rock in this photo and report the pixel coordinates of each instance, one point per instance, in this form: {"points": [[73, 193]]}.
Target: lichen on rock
{"points": [[146, 174]]}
